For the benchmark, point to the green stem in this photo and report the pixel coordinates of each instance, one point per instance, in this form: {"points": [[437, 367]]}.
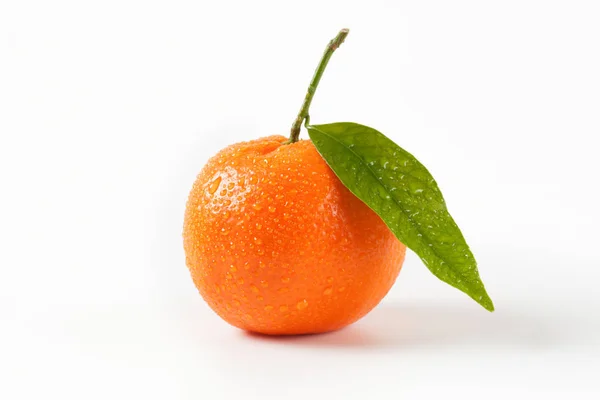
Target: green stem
{"points": [[303, 114]]}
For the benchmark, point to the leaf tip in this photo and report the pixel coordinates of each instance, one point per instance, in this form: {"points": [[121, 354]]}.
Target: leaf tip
{"points": [[486, 302]]}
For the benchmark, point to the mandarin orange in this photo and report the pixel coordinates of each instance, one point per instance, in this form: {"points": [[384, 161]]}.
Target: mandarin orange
{"points": [[276, 244]]}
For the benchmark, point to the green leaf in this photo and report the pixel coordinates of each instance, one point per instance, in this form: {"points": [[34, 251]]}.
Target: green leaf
{"points": [[406, 197]]}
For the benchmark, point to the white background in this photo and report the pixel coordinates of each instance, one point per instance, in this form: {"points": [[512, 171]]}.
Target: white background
{"points": [[109, 109]]}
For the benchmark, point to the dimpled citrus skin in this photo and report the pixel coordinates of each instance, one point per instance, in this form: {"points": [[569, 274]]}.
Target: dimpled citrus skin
{"points": [[276, 244]]}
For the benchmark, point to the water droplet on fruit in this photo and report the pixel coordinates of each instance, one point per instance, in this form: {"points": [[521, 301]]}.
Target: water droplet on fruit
{"points": [[268, 308], [341, 289], [285, 279], [264, 284], [257, 241], [214, 185], [328, 291], [283, 290], [302, 304], [272, 209], [330, 279], [254, 289], [257, 206], [233, 268], [283, 308]]}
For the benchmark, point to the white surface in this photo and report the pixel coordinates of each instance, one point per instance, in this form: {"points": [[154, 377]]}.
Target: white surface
{"points": [[109, 109]]}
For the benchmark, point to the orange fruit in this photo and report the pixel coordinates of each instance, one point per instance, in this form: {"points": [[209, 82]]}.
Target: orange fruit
{"points": [[276, 244]]}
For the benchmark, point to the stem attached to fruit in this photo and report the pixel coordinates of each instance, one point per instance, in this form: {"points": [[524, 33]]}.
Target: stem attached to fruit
{"points": [[303, 114]]}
